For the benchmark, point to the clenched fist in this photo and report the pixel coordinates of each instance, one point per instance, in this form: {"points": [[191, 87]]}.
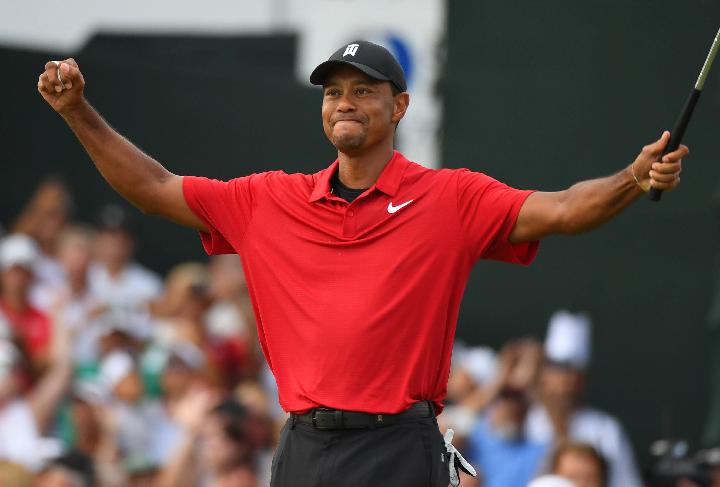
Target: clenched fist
{"points": [[61, 85]]}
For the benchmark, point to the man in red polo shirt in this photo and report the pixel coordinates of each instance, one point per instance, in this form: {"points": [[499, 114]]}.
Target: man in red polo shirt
{"points": [[356, 272]]}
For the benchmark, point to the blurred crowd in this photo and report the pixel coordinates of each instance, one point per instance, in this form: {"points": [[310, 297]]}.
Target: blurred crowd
{"points": [[113, 376], [521, 416]]}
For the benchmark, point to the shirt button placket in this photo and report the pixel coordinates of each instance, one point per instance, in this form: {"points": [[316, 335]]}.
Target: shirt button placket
{"points": [[349, 223]]}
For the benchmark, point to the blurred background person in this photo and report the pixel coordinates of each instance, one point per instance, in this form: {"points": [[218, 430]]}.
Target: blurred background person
{"points": [[26, 416], [580, 463], [132, 415], [43, 219], [179, 318], [230, 321], [473, 378], [80, 309], [561, 414], [264, 429], [182, 371], [122, 285], [215, 449], [18, 256], [497, 444]]}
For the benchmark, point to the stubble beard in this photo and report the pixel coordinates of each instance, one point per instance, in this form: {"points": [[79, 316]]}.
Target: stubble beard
{"points": [[349, 142]]}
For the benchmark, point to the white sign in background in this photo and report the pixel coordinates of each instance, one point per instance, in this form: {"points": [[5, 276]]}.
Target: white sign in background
{"points": [[65, 26]]}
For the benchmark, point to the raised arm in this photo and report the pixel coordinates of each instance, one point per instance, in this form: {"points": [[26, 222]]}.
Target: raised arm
{"points": [[46, 395], [139, 178], [589, 204]]}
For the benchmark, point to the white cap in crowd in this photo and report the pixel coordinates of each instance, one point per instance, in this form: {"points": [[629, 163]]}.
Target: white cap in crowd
{"points": [[187, 353], [18, 249], [115, 367], [550, 481], [479, 362], [568, 339]]}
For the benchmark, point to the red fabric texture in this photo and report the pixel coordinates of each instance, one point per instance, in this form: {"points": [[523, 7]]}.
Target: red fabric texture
{"points": [[32, 326], [357, 304]]}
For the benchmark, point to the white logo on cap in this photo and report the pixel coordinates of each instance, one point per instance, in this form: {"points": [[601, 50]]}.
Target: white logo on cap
{"points": [[351, 49]]}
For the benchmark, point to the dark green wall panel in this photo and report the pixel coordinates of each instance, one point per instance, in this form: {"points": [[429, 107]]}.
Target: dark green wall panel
{"points": [[543, 94]]}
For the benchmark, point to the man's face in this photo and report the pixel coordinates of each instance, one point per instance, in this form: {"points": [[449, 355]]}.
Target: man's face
{"points": [[562, 386], [75, 255], [16, 280], [507, 416], [359, 112], [113, 247]]}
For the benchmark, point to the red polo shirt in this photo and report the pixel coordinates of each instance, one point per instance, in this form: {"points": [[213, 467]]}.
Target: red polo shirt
{"points": [[32, 326], [357, 303]]}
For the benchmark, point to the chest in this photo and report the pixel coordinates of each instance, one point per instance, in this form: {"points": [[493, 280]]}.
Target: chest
{"points": [[410, 221]]}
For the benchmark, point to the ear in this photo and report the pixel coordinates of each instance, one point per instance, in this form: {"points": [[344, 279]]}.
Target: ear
{"points": [[400, 105]]}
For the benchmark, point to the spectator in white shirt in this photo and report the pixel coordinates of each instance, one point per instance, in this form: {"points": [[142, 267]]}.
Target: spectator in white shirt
{"points": [[79, 307], [120, 283], [561, 414], [25, 417]]}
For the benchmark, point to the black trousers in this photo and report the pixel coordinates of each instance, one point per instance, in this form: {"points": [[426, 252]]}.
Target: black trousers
{"points": [[408, 454]]}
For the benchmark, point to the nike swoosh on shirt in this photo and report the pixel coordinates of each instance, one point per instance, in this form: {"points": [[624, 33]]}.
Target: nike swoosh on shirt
{"points": [[393, 209]]}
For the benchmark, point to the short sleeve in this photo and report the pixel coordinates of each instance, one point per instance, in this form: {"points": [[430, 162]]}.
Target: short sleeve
{"points": [[224, 206], [488, 210]]}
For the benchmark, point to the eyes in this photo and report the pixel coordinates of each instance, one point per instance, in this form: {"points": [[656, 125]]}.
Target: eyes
{"points": [[359, 91]]}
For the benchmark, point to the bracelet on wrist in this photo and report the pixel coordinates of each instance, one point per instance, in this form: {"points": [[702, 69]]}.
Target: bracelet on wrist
{"points": [[637, 181]]}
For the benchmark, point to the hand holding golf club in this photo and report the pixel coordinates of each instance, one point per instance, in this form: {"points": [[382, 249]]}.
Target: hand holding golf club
{"points": [[653, 168], [61, 85]]}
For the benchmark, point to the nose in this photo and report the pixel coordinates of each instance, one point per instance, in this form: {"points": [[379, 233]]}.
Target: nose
{"points": [[345, 104]]}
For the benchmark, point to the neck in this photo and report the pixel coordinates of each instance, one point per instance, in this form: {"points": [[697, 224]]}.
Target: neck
{"points": [[115, 268], [78, 283], [361, 170]]}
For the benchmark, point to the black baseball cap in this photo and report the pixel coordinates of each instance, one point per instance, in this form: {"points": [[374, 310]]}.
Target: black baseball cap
{"points": [[371, 59]]}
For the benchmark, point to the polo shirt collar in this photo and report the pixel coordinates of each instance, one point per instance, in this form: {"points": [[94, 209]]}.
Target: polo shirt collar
{"points": [[388, 182]]}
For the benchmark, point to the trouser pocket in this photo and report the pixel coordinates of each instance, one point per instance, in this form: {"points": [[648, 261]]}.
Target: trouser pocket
{"points": [[278, 452], [437, 455], [442, 475]]}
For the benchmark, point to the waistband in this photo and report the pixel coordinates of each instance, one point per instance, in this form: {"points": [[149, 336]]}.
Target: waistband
{"points": [[335, 419]]}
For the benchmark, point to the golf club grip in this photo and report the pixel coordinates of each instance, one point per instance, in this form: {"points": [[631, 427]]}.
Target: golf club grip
{"points": [[677, 134]]}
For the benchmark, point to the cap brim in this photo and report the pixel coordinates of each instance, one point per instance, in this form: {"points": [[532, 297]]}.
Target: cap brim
{"points": [[317, 77]]}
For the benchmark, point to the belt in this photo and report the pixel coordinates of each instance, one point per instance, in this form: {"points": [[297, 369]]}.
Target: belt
{"points": [[335, 419]]}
